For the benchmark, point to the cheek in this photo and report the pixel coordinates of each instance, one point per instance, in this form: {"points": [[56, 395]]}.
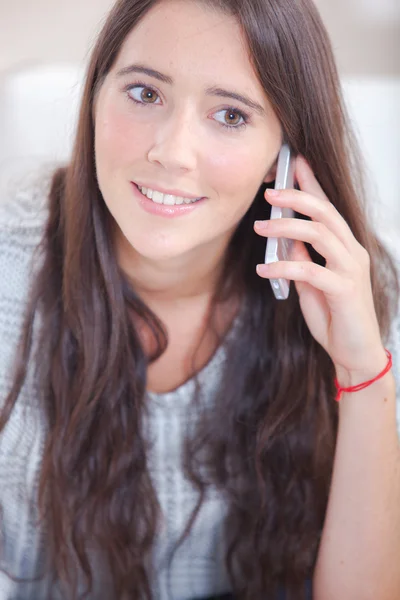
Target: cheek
{"points": [[238, 171], [119, 139]]}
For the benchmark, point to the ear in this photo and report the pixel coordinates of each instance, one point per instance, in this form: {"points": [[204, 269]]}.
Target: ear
{"points": [[271, 175]]}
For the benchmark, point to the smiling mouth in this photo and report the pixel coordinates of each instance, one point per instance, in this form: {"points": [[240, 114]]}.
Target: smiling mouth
{"points": [[167, 199]]}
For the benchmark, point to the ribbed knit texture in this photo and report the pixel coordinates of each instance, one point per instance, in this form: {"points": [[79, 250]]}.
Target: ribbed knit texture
{"points": [[198, 567]]}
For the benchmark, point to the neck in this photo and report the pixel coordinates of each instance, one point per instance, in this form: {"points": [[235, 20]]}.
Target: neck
{"points": [[184, 278]]}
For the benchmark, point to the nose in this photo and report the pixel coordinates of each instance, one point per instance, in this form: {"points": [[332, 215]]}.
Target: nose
{"points": [[174, 147]]}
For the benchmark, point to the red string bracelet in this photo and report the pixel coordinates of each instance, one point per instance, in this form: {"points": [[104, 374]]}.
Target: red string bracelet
{"points": [[362, 386]]}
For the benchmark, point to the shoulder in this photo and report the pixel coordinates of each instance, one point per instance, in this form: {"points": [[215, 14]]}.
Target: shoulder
{"points": [[24, 198], [392, 343], [393, 337], [23, 217]]}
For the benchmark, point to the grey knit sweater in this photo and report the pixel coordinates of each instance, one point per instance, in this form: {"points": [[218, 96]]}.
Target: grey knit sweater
{"points": [[198, 568]]}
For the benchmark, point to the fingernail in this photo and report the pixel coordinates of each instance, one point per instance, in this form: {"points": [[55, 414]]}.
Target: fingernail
{"points": [[261, 224], [262, 269], [272, 192]]}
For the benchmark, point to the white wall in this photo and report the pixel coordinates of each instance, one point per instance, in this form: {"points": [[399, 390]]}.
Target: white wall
{"points": [[366, 41], [48, 30], [365, 33]]}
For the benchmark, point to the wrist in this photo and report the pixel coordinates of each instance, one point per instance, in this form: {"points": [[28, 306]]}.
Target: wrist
{"points": [[353, 377]]}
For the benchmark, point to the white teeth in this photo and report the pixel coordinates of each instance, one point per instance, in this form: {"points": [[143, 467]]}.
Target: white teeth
{"points": [[158, 197], [167, 199], [172, 200]]}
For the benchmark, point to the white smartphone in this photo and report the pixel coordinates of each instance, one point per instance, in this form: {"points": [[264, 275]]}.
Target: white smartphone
{"points": [[280, 248]]}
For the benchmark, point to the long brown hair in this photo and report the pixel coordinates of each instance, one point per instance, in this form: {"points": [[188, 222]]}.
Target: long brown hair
{"points": [[270, 441]]}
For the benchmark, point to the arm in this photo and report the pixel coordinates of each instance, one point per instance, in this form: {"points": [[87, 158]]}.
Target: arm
{"points": [[360, 546], [359, 552]]}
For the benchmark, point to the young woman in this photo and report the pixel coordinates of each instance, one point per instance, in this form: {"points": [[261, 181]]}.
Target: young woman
{"points": [[169, 429]]}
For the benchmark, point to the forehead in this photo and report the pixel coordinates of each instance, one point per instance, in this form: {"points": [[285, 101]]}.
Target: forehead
{"points": [[184, 38]]}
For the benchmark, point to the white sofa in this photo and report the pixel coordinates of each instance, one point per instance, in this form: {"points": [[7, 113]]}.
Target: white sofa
{"points": [[38, 113]]}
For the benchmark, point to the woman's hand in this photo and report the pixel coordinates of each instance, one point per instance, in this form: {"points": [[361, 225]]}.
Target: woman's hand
{"points": [[336, 300]]}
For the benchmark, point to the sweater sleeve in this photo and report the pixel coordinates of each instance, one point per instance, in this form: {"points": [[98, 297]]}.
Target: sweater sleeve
{"points": [[22, 218], [393, 345]]}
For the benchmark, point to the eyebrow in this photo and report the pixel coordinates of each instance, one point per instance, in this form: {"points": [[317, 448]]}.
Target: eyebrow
{"points": [[211, 91]]}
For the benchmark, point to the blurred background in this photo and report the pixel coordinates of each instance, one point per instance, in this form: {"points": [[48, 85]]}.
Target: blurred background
{"points": [[44, 48]]}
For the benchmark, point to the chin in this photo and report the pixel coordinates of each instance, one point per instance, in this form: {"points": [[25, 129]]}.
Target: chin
{"points": [[156, 248]]}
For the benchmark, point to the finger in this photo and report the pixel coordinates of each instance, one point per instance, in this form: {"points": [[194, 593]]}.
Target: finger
{"points": [[300, 252], [314, 299], [309, 183], [319, 277], [318, 235], [306, 179], [318, 210]]}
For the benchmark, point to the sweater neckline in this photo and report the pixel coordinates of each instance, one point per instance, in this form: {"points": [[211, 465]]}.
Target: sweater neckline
{"points": [[186, 390]]}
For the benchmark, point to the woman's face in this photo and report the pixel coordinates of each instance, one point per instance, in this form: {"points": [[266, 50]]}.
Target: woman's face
{"points": [[178, 130]]}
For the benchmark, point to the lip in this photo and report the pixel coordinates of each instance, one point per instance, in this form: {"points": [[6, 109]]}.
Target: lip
{"points": [[164, 210], [175, 192]]}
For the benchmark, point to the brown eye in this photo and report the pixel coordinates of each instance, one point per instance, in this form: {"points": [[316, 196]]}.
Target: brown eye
{"points": [[232, 117], [148, 96], [142, 94]]}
